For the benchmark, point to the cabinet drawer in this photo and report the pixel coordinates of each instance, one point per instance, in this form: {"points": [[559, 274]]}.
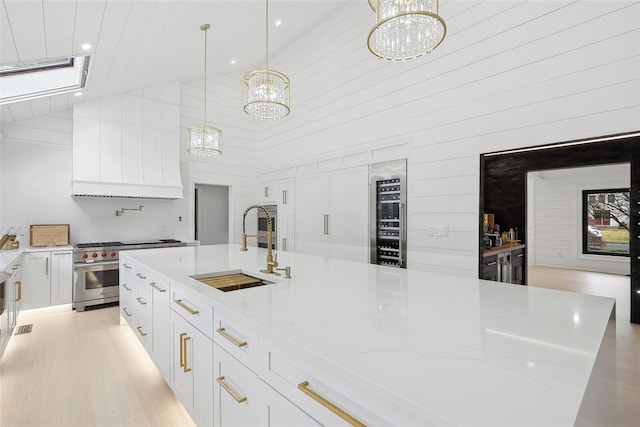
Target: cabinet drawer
{"points": [[322, 392], [490, 267], [236, 335], [143, 305], [239, 394], [192, 306]]}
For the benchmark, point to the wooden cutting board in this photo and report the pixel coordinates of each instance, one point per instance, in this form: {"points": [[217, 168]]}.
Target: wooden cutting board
{"points": [[49, 235]]}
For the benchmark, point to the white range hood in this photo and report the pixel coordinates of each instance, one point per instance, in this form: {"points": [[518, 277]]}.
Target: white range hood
{"points": [[126, 146]]}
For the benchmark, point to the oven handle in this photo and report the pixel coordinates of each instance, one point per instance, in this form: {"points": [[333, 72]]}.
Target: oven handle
{"points": [[94, 264]]}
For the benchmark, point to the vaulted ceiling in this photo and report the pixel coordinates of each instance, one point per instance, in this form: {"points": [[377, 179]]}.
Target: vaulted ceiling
{"points": [[141, 43]]}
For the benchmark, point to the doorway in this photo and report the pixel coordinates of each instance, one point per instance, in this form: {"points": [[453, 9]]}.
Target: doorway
{"points": [[503, 188], [211, 214]]}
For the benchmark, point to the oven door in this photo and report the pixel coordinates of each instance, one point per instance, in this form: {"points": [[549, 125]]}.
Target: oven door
{"points": [[96, 281]]}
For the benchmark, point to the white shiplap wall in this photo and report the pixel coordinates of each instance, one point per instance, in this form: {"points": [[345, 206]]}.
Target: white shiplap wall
{"points": [[509, 74], [555, 216]]}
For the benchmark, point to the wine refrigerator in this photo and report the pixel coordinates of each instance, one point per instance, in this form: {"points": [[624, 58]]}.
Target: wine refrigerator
{"points": [[388, 213]]}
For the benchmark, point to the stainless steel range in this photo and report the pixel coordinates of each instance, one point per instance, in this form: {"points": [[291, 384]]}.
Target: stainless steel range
{"points": [[95, 268]]}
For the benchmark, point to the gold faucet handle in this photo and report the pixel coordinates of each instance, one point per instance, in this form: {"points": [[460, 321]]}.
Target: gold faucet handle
{"points": [[287, 272]]}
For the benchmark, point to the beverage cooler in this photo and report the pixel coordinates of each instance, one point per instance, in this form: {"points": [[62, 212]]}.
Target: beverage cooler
{"points": [[388, 213]]}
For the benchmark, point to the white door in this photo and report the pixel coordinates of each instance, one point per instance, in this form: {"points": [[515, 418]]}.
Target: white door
{"points": [[36, 279], [312, 222]]}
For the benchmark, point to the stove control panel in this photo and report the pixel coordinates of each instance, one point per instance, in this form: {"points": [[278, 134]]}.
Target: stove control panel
{"points": [[95, 255]]}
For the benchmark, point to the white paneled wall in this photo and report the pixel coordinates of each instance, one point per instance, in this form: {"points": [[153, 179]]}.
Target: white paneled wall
{"points": [[508, 74], [555, 216], [36, 169]]}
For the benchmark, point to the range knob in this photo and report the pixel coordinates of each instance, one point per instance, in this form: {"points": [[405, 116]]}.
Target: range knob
{"points": [[113, 254], [85, 256], [94, 255], [104, 254]]}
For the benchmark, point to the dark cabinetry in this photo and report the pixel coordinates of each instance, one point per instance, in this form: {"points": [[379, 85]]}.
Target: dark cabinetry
{"points": [[490, 267], [517, 266], [504, 265]]}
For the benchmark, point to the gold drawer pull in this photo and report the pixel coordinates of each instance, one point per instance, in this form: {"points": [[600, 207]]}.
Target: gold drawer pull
{"points": [[127, 266], [19, 283], [140, 330], [124, 285], [126, 312], [231, 391], [142, 276], [141, 301], [189, 309], [304, 387], [182, 349], [187, 338], [158, 288], [233, 340]]}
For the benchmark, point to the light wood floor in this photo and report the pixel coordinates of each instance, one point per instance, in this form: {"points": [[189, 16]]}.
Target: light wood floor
{"points": [[627, 340], [82, 369], [85, 369]]}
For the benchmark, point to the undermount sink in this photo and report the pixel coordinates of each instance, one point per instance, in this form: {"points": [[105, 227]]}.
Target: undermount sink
{"points": [[231, 280]]}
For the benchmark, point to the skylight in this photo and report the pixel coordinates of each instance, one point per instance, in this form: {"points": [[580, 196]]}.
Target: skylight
{"points": [[36, 79]]}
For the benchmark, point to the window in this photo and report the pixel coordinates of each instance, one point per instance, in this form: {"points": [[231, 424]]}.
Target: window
{"points": [[36, 79], [605, 222]]}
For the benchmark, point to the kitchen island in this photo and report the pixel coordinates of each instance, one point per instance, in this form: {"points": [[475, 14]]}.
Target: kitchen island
{"points": [[389, 346]]}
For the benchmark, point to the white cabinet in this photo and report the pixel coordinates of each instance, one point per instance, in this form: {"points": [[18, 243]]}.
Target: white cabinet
{"points": [[161, 353], [192, 369], [12, 296], [144, 304], [46, 278], [243, 399], [332, 214], [281, 193], [128, 292], [61, 277], [327, 395]]}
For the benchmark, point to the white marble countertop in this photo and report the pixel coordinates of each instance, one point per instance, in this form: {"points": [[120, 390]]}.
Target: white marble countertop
{"points": [[7, 257], [469, 351]]}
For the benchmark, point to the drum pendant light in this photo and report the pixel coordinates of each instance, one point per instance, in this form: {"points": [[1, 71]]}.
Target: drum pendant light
{"points": [[204, 141], [266, 92], [405, 29]]}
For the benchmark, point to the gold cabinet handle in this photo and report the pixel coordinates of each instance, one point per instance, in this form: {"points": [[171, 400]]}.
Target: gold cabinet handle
{"points": [[141, 301], [141, 332], [46, 267], [182, 349], [158, 288], [231, 391], [142, 276], [126, 312], [19, 284], [187, 338], [127, 266], [187, 308], [304, 387], [124, 285], [234, 341]]}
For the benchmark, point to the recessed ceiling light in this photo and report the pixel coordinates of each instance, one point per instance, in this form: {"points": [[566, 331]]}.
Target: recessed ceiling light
{"points": [[78, 94], [86, 46], [233, 61], [278, 23]]}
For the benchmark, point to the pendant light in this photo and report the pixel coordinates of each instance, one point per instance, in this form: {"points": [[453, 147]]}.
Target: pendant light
{"points": [[405, 29], [266, 92], [204, 141]]}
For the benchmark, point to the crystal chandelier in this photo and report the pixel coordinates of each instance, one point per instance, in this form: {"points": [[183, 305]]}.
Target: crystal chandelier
{"points": [[266, 92], [204, 141], [405, 29]]}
